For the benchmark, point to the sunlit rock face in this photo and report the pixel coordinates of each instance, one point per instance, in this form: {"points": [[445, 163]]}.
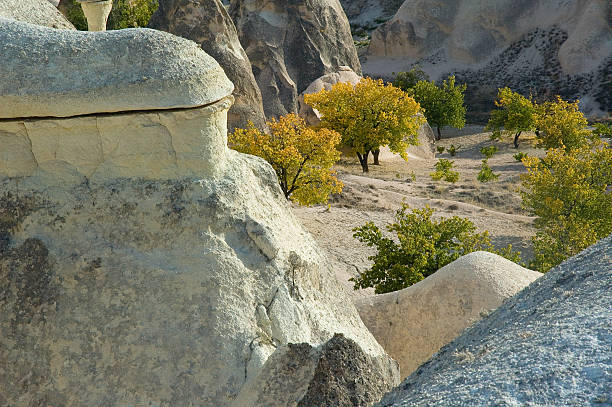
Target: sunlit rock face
{"points": [[141, 261], [292, 43], [39, 12], [545, 47]]}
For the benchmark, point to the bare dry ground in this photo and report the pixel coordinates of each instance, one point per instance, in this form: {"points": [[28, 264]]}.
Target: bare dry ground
{"points": [[375, 196]]}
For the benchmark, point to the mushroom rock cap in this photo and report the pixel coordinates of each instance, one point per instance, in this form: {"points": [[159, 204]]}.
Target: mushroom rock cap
{"points": [[56, 73]]}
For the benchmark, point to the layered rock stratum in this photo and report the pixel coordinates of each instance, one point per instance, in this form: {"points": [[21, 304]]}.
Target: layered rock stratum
{"points": [[209, 25], [290, 44], [414, 323], [39, 12], [544, 47], [141, 261], [548, 345]]}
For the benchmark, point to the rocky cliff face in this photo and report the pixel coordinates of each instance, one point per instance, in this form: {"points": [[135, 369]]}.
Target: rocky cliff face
{"points": [[546, 47], [292, 43], [548, 345], [141, 261], [210, 26]]}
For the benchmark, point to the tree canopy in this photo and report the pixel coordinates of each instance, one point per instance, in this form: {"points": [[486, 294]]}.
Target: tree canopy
{"points": [[561, 124], [301, 156], [369, 115], [515, 115]]}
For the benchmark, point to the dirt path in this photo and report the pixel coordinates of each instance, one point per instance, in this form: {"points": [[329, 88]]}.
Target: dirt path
{"points": [[493, 206]]}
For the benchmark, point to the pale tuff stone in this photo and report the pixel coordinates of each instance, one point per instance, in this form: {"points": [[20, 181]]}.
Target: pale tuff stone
{"points": [[290, 44], [548, 345], [111, 71], [96, 12], [413, 323], [39, 12], [208, 24]]}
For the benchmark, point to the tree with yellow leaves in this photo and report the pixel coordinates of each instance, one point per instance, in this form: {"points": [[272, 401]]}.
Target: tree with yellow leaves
{"points": [[301, 156], [369, 115], [570, 193], [515, 114], [561, 124]]}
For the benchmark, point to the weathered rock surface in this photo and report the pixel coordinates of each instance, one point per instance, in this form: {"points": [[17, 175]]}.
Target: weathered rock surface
{"points": [[368, 13], [547, 46], [39, 12], [292, 43], [336, 373], [114, 71], [414, 323], [209, 24], [548, 345], [141, 261]]}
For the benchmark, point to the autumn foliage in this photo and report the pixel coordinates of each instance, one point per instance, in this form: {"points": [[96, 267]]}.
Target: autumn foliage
{"points": [[515, 114], [301, 156], [369, 115]]}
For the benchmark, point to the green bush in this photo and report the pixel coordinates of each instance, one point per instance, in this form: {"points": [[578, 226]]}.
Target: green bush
{"points": [[488, 151], [452, 150], [443, 171], [486, 173], [420, 246], [602, 130], [519, 156], [440, 149]]}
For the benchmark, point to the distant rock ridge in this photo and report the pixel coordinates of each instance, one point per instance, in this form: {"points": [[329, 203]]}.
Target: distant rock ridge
{"points": [[548, 345], [290, 44], [545, 47]]}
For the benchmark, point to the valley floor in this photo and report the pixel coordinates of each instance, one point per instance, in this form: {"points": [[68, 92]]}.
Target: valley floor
{"points": [[375, 196]]}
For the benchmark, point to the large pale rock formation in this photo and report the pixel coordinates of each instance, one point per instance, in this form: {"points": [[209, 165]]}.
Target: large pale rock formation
{"points": [[413, 323], [141, 261], [548, 345], [39, 12], [292, 43], [546, 46], [369, 13], [209, 24], [134, 69]]}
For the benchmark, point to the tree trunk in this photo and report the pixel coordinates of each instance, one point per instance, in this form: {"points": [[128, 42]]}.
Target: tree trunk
{"points": [[516, 139], [363, 160], [375, 154], [439, 134]]}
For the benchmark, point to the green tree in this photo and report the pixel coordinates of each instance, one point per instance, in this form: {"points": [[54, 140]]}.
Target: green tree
{"points": [[443, 106], [408, 80], [301, 156], [602, 130], [515, 115], [369, 115], [570, 193], [561, 124], [420, 246], [444, 171]]}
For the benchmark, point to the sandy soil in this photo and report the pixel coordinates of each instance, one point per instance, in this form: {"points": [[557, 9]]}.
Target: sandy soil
{"points": [[375, 196]]}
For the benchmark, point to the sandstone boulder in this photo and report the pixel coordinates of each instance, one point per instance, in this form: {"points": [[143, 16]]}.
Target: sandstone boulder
{"points": [[209, 24], [413, 323], [290, 44], [114, 71], [547, 46], [548, 345], [141, 261], [39, 12]]}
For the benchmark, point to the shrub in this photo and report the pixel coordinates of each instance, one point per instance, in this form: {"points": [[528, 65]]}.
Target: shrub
{"points": [[602, 130], [440, 149], [452, 150], [408, 80], [369, 115], [443, 171], [489, 151], [124, 14], [420, 246], [516, 114], [519, 156], [486, 173], [301, 156], [443, 106], [561, 124], [569, 192]]}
